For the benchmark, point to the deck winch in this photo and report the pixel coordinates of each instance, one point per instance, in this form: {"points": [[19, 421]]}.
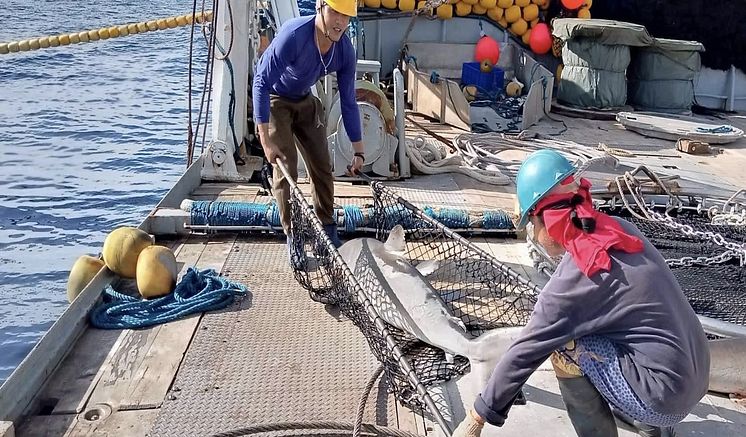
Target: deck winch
{"points": [[382, 127]]}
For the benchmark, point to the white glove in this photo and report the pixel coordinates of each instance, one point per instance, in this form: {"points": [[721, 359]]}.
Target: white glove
{"points": [[471, 426]]}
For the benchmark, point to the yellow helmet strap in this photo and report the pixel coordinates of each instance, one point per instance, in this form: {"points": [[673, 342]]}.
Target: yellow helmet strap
{"points": [[321, 4]]}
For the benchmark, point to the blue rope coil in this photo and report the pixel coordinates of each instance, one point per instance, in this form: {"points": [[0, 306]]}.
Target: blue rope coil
{"points": [[235, 213], [198, 291], [273, 215], [496, 219], [353, 217], [452, 218], [263, 214], [400, 215]]}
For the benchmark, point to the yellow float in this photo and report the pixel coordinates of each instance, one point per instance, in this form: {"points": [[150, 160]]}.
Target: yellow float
{"points": [[406, 5], [530, 12], [512, 14], [156, 271], [519, 27], [526, 37], [463, 9], [121, 249], [495, 13], [445, 12], [84, 269]]}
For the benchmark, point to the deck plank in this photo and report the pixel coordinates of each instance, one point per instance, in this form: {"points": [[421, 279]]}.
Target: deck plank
{"points": [[78, 374], [156, 373], [141, 371], [120, 423]]}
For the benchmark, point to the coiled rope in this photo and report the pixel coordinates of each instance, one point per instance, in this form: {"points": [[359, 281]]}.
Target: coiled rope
{"points": [[358, 428], [351, 217], [333, 427], [198, 291], [104, 33], [477, 155]]}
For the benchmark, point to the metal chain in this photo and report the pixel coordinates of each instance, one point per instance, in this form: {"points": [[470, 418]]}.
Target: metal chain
{"points": [[730, 219], [734, 250]]}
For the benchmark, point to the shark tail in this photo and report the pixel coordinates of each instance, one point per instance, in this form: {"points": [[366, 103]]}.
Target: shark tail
{"points": [[486, 350]]}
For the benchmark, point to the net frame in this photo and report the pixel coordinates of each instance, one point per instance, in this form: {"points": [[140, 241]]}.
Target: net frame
{"points": [[504, 298]]}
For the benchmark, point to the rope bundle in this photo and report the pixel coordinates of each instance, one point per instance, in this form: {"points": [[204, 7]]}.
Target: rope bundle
{"points": [[198, 291], [351, 217]]}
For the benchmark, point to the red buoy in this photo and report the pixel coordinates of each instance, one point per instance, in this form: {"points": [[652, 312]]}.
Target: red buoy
{"points": [[487, 48], [540, 40], [572, 4]]}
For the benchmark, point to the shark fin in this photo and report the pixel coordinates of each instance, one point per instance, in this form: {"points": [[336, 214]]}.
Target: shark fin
{"points": [[428, 267], [395, 242]]}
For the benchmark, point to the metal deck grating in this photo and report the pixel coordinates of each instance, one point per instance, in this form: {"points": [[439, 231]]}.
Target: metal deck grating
{"points": [[276, 356]]}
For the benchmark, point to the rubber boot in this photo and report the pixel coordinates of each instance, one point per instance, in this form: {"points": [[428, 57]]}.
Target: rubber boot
{"points": [[331, 231], [644, 430], [588, 410]]}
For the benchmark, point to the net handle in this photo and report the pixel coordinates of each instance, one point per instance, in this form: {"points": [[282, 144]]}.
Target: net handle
{"points": [[364, 299]]}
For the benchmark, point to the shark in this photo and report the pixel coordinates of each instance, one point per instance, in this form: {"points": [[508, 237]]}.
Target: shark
{"points": [[405, 298]]}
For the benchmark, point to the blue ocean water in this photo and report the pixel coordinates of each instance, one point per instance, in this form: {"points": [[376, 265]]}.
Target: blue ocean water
{"points": [[91, 137]]}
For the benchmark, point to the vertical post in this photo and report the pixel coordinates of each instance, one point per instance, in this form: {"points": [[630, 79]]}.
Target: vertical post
{"points": [[404, 167], [379, 47], [443, 103], [231, 74], [730, 100]]}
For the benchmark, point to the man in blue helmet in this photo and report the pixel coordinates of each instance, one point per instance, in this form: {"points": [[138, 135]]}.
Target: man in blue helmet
{"points": [[612, 319]]}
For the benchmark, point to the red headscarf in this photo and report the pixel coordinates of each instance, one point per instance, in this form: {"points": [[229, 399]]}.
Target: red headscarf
{"points": [[587, 234]]}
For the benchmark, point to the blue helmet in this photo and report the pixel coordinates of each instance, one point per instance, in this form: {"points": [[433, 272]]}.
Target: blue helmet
{"points": [[539, 173]]}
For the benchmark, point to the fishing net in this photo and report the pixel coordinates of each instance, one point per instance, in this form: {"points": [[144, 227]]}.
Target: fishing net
{"points": [[484, 293], [713, 281]]}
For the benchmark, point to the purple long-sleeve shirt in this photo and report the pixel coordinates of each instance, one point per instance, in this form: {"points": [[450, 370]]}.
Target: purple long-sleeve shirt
{"points": [[639, 306], [291, 65]]}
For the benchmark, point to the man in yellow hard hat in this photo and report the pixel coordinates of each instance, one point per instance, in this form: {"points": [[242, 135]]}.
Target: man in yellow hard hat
{"points": [[304, 50]]}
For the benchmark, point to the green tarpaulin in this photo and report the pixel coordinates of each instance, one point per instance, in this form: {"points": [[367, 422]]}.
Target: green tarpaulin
{"points": [[661, 77]]}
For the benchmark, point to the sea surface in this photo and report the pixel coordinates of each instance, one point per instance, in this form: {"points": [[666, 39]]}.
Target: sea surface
{"points": [[91, 137]]}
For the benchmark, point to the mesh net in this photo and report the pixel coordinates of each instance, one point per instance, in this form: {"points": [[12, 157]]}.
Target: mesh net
{"points": [[484, 293], [717, 290]]}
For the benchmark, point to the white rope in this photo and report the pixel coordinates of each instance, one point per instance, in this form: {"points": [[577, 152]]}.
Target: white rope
{"points": [[430, 159], [478, 156]]}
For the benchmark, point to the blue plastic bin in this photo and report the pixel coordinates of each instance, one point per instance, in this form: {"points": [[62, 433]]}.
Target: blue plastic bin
{"points": [[491, 83]]}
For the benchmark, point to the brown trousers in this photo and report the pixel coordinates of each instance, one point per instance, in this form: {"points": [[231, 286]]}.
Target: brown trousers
{"points": [[304, 121]]}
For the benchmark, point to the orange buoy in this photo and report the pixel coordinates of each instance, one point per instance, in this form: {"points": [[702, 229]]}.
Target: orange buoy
{"points": [[572, 4], [541, 39], [487, 48]]}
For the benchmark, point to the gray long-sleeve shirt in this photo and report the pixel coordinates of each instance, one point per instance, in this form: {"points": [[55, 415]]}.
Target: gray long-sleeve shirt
{"points": [[639, 306]]}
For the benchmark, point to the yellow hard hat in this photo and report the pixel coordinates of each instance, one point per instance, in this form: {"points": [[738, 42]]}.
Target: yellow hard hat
{"points": [[346, 7]]}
